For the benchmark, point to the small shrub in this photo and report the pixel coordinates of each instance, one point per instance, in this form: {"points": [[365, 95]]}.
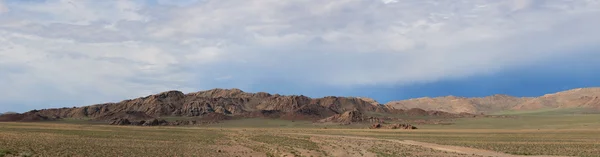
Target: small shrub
{"points": [[4, 152]]}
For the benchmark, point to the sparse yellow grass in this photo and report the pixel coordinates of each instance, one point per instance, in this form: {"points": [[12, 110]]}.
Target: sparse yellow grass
{"points": [[568, 142], [76, 140], [46, 139], [60, 139]]}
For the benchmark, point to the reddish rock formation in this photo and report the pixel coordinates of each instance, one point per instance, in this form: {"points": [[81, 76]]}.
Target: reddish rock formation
{"points": [[375, 126], [233, 102], [223, 104]]}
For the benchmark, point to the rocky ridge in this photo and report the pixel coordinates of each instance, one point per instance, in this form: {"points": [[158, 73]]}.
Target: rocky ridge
{"points": [[230, 102]]}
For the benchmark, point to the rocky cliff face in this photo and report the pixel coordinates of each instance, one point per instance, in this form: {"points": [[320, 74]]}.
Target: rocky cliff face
{"points": [[225, 101]]}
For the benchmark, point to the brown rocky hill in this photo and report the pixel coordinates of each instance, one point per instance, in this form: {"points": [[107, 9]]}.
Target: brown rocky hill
{"points": [[129, 115], [582, 97], [233, 102], [25, 117]]}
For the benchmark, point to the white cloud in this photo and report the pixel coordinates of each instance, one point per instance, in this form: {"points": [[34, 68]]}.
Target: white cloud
{"points": [[3, 7], [70, 67], [81, 12], [123, 49], [389, 1], [521, 4], [177, 2]]}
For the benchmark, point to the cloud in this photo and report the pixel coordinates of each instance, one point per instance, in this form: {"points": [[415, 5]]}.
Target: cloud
{"points": [[411, 41], [522, 4], [180, 3], [94, 51], [69, 68], [80, 12], [389, 1], [3, 7]]}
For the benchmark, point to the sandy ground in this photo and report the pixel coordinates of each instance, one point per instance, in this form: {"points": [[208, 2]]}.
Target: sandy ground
{"points": [[91, 140], [446, 148]]}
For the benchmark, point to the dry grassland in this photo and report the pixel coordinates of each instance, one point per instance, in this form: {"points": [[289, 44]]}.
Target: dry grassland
{"points": [[52, 139]]}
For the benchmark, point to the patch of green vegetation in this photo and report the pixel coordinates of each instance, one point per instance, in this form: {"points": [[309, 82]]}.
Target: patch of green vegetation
{"points": [[382, 153], [519, 153], [5, 152], [83, 121], [259, 148], [524, 134], [578, 121], [96, 140], [263, 123], [270, 154], [286, 141]]}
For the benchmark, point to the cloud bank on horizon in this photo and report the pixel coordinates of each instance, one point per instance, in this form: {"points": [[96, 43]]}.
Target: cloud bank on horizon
{"points": [[91, 51]]}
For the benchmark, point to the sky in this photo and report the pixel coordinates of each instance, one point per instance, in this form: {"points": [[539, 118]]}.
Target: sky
{"points": [[63, 53]]}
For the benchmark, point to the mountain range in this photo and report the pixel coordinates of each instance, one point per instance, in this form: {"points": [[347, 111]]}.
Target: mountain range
{"points": [[237, 103]]}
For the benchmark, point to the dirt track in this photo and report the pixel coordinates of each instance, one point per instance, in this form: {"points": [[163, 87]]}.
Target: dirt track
{"points": [[447, 148]]}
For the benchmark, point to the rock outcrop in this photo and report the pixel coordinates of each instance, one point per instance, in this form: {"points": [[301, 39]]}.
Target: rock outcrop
{"points": [[392, 126], [347, 117], [375, 126], [130, 115], [120, 121], [401, 126], [157, 122]]}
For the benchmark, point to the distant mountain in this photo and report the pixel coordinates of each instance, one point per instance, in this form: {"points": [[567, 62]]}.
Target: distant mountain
{"points": [[233, 102], [224, 103], [8, 113], [581, 97]]}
